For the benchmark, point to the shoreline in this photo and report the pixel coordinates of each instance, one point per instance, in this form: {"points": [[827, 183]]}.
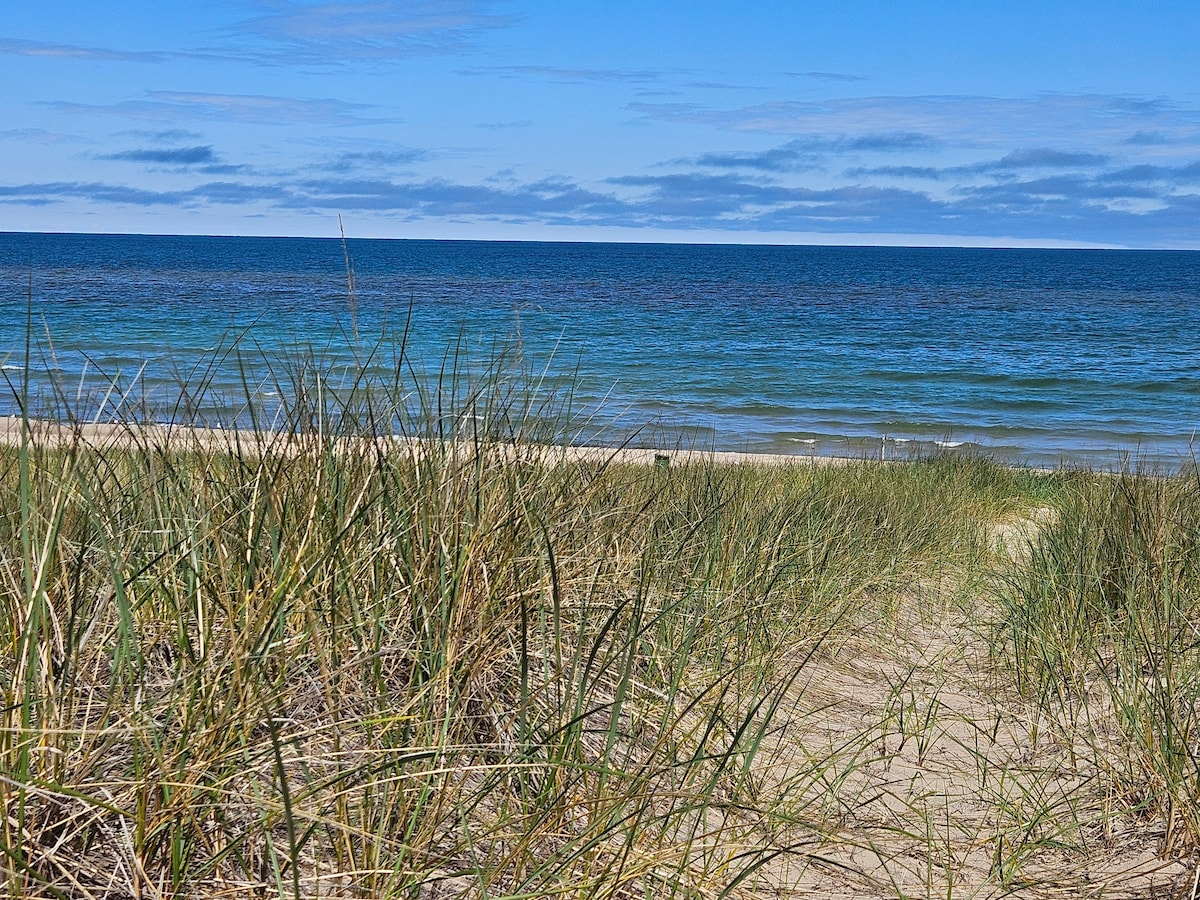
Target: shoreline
{"points": [[101, 435], [51, 434]]}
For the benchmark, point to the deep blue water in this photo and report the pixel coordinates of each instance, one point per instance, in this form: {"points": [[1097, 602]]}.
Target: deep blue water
{"points": [[1036, 356]]}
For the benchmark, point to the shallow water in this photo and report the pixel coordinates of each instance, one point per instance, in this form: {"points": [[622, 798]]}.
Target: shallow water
{"points": [[1036, 356]]}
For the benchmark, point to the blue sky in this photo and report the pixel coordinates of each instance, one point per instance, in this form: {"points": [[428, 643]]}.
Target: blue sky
{"points": [[1048, 123]]}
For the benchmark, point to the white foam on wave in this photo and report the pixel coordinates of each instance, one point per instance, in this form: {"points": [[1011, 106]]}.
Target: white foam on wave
{"points": [[803, 440], [950, 445]]}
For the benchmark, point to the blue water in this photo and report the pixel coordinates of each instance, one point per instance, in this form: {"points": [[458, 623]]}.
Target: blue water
{"points": [[1036, 356]]}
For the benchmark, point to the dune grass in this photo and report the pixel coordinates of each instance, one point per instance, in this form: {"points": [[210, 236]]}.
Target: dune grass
{"points": [[311, 661], [1103, 631]]}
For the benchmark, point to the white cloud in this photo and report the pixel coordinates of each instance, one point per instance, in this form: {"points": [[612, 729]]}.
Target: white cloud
{"points": [[970, 121], [373, 29], [51, 50], [251, 108]]}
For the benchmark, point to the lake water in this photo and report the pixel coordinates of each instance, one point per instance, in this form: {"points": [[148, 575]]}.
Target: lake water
{"points": [[1034, 356]]}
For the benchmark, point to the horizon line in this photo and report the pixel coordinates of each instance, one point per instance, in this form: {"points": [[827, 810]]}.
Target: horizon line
{"points": [[848, 241]]}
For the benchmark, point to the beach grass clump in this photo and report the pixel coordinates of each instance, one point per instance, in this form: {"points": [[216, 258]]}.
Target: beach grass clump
{"points": [[1102, 627], [308, 658], [395, 638]]}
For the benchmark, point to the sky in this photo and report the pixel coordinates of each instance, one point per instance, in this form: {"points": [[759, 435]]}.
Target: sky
{"points": [[969, 123]]}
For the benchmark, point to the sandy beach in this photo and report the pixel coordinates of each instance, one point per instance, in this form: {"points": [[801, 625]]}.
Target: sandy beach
{"points": [[51, 434]]}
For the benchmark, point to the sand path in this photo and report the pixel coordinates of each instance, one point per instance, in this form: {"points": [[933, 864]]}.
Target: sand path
{"points": [[928, 777]]}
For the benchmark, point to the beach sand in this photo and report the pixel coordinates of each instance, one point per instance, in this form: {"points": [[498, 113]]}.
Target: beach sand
{"points": [[99, 435]]}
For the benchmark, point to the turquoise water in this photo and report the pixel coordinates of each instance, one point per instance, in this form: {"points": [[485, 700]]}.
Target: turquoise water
{"points": [[1036, 356]]}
